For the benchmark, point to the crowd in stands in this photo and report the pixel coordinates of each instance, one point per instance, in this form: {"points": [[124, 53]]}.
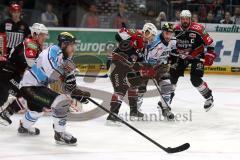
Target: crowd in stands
{"points": [[133, 13]]}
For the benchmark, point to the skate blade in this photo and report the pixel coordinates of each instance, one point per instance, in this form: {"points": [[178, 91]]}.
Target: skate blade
{"points": [[208, 109], [133, 118], [113, 124], [168, 119], [4, 123], [65, 144], [27, 135]]}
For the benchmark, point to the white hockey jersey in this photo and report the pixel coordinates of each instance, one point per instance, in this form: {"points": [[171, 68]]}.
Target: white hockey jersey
{"points": [[47, 68], [157, 52]]}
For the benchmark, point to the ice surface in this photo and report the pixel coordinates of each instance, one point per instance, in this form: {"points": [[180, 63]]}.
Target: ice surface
{"points": [[213, 135]]}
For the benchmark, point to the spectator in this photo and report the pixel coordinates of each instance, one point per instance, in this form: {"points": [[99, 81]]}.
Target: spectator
{"points": [[236, 17], [91, 19], [15, 28], [141, 17], [120, 17], [195, 18], [151, 16], [202, 12], [210, 18], [49, 18], [161, 17], [227, 19], [177, 16]]}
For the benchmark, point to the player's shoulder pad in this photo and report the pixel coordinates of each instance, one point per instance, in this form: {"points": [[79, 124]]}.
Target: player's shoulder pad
{"points": [[31, 48], [156, 41], [31, 44], [177, 26], [55, 50], [197, 27]]}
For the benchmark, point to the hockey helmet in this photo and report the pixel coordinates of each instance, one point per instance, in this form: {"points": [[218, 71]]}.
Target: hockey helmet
{"points": [[186, 13], [14, 7], [38, 28], [168, 27], [150, 27], [66, 37]]}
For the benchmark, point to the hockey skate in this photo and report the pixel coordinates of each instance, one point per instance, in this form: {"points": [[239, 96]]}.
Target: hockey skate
{"points": [[28, 131], [208, 104], [135, 114], [64, 138], [112, 121], [166, 112], [5, 118]]}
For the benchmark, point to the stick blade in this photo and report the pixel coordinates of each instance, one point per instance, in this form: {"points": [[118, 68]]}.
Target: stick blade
{"points": [[178, 149]]}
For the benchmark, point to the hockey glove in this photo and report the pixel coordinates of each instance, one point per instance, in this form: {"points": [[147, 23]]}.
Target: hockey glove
{"points": [[81, 99], [134, 79], [79, 93], [69, 83], [209, 58], [3, 58], [147, 72]]}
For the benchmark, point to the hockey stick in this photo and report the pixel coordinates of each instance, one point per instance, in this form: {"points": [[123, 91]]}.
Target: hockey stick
{"points": [[190, 58], [94, 76], [181, 148], [159, 91]]}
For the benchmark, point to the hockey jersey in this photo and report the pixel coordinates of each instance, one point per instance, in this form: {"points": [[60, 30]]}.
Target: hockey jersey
{"points": [[47, 68], [24, 54], [193, 40], [158, 51]]}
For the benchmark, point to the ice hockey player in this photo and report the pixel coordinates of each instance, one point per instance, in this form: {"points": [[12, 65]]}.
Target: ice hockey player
{"points": [[11, 70], [53, 64], [192, 39], [123, 74], [15, 28], [157, 52]]}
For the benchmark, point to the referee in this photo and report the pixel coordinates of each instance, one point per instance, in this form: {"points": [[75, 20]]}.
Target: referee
{"points": [[15, 28]]}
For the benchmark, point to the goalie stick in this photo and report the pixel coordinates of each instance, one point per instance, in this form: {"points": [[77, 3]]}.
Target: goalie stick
{"points": [[180, 148]]}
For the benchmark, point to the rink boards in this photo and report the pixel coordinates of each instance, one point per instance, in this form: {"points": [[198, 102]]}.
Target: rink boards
{"points": [[95, 45], [98, 69]]}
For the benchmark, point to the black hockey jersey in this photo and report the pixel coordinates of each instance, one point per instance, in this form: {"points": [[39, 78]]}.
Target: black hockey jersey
{"points": [[16, 32]]}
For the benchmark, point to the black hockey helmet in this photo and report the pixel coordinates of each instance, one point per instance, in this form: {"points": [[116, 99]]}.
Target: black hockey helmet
{"points": [[66, 37], [168, 27]]}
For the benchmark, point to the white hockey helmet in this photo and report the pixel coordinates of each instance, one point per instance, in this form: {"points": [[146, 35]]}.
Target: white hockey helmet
{"points": [[186, 13], [150, 27], [38, 28]]}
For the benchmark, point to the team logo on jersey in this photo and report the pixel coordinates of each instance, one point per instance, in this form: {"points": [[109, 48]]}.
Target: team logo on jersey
{"points": [[192, 35], [8, 26], [199, 66], [197, 27]]}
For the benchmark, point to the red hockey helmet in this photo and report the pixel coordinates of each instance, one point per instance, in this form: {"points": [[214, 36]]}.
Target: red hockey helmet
{"points": [[15, 8]]}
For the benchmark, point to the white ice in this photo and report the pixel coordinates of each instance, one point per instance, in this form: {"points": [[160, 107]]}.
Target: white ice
{"points": [[213, 135]]}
